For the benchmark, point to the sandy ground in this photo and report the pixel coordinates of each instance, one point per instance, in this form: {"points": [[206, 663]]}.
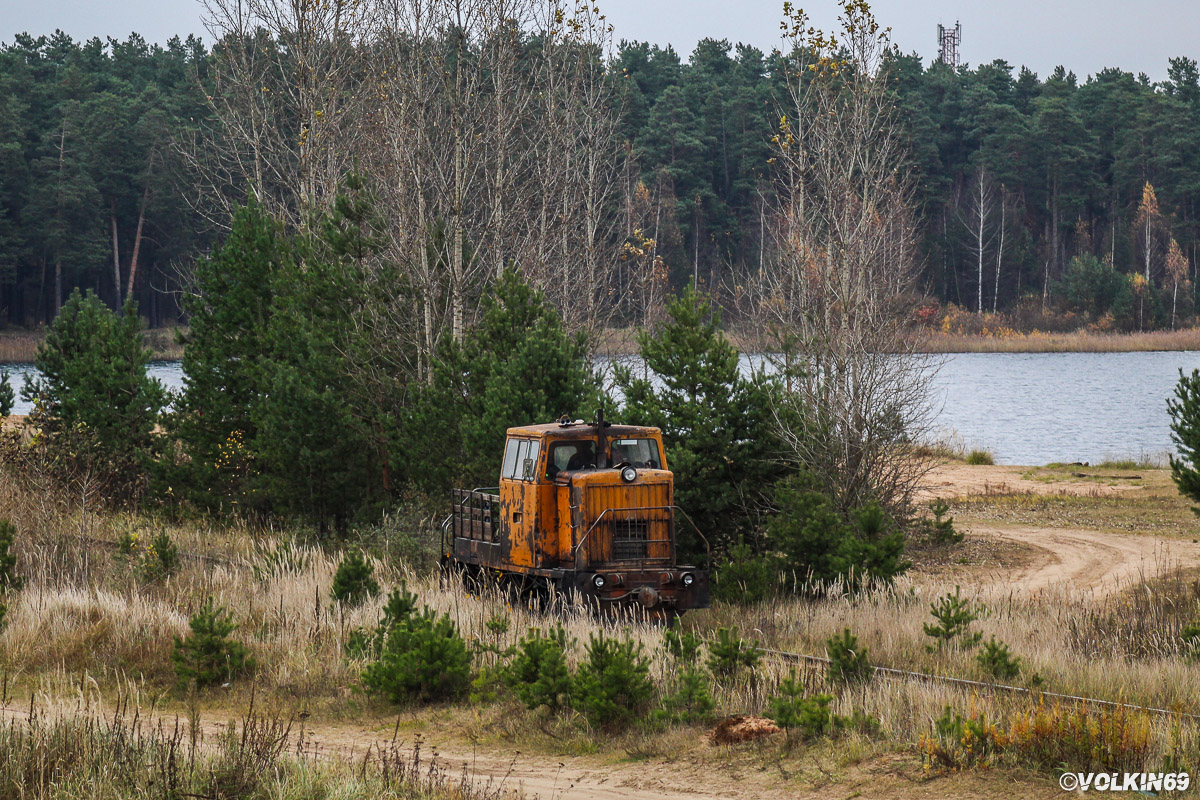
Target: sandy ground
{"points": [[960, 480]]}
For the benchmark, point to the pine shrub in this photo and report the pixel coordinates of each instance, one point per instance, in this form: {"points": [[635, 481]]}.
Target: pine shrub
{"points": [[848, 662], [161, 559], [207, 656], [3, 613], [996, 661], [8, 397], [9, 580], [613, 687], [538, 672], [792, 710], [745, 577], [690, 701], [354, 582], [730, 653], [417, 655], [683, 646], [941, 528], [954, 616]]}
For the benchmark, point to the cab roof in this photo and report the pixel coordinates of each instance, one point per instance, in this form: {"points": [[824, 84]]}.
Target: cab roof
{"points": [[573, 430]]}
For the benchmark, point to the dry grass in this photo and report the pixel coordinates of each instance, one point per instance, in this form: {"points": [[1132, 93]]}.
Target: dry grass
{"points": [[19, 347], [1074, 342]]}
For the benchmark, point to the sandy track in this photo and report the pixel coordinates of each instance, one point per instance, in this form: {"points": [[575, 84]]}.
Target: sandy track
{"points": [[1083, 560]]}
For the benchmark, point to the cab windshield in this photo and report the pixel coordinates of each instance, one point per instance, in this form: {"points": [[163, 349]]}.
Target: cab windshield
{"points": [[570, 455], [641, 453]]}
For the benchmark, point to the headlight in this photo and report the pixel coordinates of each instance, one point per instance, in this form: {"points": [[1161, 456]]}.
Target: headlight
{"points": [[688, 579], [629, 474], [598, 581]]}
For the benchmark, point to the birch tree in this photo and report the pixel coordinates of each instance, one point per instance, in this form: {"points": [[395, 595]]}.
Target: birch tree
{"points": [[843, 257]]}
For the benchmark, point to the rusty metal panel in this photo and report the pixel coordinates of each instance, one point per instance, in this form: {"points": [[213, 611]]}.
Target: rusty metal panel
{"points": [[628, 522]]}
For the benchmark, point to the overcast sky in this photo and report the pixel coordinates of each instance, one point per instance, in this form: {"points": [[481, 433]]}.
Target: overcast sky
{"points": [[1083, 35]]}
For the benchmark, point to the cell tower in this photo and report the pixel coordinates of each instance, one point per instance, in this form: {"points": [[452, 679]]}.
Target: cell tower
{"points": [[948, 41]]}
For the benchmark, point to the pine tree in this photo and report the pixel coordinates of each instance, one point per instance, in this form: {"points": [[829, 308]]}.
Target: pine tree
{"points": [[321, 349], [229, 305], [207, 656], [93, 400], [716, 423], [354, 582], [8, 396], [517, 366], [1185, 432]]}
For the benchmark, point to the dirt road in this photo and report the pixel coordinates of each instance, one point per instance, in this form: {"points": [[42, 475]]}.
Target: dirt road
{"points": [[1088, 561]]}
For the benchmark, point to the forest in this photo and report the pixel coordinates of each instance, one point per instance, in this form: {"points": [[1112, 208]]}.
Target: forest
{"points": [[1047, 193]]}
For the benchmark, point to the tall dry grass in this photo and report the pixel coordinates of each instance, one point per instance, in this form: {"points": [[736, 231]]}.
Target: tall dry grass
{"points": [[1073, 342], [56, 752]]}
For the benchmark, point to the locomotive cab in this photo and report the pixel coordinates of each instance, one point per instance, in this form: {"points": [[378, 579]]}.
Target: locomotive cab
{"points": [[587, 508]]}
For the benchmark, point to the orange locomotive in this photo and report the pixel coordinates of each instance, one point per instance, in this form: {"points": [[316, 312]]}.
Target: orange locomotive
{"points": [[585, 508]]}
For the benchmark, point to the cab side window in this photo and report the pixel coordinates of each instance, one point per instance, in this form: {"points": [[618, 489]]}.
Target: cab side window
{"points": [[520, 459]]}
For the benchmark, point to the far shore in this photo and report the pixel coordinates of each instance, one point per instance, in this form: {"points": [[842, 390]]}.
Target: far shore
{"points": [[19, 347]]}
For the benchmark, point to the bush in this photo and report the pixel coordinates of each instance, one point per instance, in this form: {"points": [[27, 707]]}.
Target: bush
{"points": [[419, 656], [997, 661], [941, 527], [161, 559], [538, 672], [820, 543], [9, 580], [745, 577], [730, 653], [980, 458], [613, 686], [8, 397], [691, 701], [847, 660], [1043, 737], [208, 656], [354, 581], [954, 616]]}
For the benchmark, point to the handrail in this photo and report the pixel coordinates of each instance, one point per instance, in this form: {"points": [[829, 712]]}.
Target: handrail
{"points": [[575, 550]]}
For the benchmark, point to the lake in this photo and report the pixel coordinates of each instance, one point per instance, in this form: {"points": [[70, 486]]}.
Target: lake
{"points": [[1027, 408]]}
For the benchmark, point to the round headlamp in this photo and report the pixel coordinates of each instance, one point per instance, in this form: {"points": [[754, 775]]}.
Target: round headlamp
{"points": [[688, 579], [598, 581], [629, 474]]}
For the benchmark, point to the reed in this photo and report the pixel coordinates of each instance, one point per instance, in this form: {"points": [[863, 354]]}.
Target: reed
{"points": [[20, 347], [1074, 342]]}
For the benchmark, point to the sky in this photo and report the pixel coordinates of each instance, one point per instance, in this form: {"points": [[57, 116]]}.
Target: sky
{"points": [[1083, 35]]}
